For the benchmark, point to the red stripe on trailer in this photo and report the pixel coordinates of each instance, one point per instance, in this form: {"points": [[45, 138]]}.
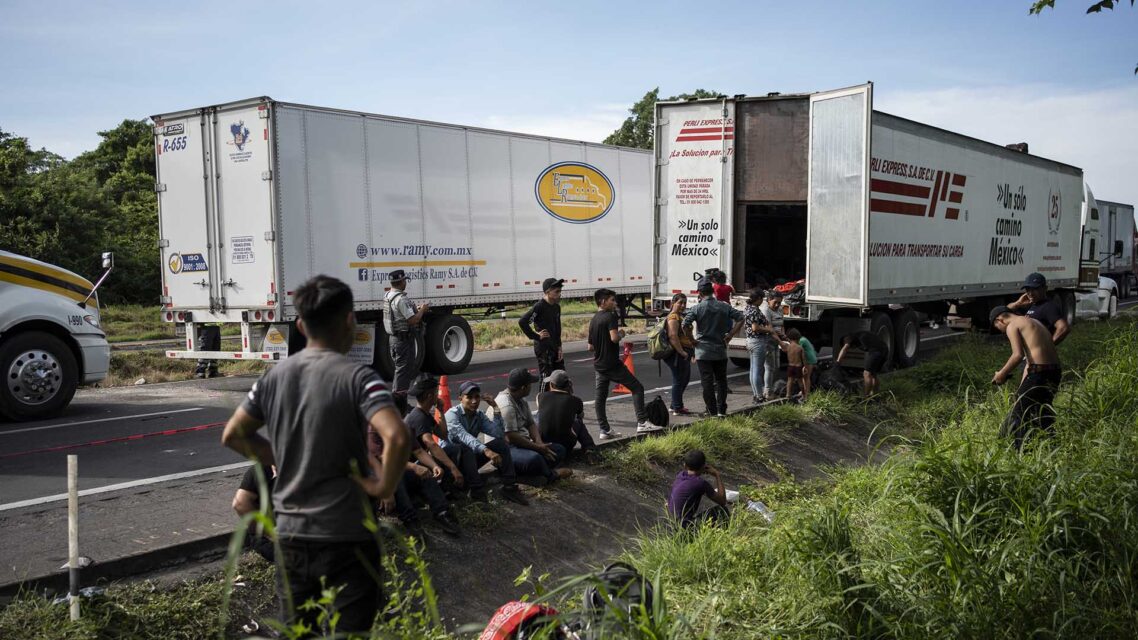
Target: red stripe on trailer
{"points": [[704, 137], [898, 188], [959, 180], [684, 132], [944, 189], [450, 286], [951, 214], [936, 192], [893, 206], [955, 197], [677, 290], [266, 133]]}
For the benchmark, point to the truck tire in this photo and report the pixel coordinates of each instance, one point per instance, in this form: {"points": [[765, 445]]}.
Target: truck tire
{"points": [[383, 363], [906, 338], [881, 326], [449, 345], [1123, 284], [40, 376]]}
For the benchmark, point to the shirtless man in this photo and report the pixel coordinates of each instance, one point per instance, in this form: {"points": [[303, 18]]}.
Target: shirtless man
{"points": [[795, 361], [1031, 340]]}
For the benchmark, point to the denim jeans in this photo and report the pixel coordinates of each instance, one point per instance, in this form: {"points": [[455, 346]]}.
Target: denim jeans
{"points": [[758, 350], [469, 462], [681, 376], [528, 462], [428, 488], [772, 362]]}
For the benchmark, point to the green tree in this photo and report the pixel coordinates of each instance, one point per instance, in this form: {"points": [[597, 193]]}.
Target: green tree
{"points": [[1038, 6], [636, 131]]}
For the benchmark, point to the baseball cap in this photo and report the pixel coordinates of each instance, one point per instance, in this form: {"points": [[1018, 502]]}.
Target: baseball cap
{"points": [[559, 379], [552, 283], [466, 387], [1034, 281], [397, 275], [422, 384], [704, 286], [520, 377], [996, 313], [695, 460]]}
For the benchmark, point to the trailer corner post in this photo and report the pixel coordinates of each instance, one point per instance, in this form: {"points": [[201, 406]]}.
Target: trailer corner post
{"points": [[73, 533]]}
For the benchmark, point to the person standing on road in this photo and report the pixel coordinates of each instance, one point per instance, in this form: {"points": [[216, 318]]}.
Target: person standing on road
{"points": [[464, 424], [1031, 342], [532, 455], [683, 346], [758, 341], [772, 311], [604, 341], [318, 406], [542, 324], [876, 355], [717, 323], [1035, 304], [402, 320]]}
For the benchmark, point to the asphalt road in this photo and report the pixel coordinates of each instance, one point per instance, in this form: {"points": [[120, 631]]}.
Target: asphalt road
{"points": [[134, 436]]}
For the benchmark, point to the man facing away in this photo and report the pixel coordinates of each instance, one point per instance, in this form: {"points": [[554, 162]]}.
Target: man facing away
{"points": [[542, 324], [561, 415], [318, 406], [1029, 340], [532, 455], [402, 321], [716, 323], [604, 341]]}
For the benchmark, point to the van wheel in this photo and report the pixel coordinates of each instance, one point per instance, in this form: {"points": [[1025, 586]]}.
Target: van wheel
{"points": [[906, 338], [882, 327], [40, 376], [449, 345], [383, 362], [1112, 307]]}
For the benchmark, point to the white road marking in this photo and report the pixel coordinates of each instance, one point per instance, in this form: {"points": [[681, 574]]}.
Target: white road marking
{"points": [[76, 424], [124, 485]]}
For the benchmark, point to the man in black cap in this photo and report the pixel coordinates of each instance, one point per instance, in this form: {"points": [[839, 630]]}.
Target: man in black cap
{"points": [[561, 415], [1035, 304], [532, 455], [1030, 342], [542, 324], [402, 321]]}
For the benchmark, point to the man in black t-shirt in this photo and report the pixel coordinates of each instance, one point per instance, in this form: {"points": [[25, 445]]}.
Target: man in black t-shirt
{"points": [[248, 499], [561, 415], [876, 355], [604, 341], [542, 324], [1035, 304]]}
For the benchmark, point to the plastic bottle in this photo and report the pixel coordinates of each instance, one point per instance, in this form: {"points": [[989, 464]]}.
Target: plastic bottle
{"points": [[761, 509]]}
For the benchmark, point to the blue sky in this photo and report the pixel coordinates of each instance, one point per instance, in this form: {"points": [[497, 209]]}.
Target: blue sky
{"points": [[1062, 81]]}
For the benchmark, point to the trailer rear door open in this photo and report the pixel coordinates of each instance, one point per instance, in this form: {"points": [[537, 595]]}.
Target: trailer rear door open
{"points": [[838, 197]]}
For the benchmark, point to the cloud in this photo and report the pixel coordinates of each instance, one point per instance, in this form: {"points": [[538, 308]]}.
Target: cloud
{"points": [[1095, 129], [591, 124]]}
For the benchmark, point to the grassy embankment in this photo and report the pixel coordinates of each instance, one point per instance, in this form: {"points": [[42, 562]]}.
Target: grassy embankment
{"points": [[127, 323]]}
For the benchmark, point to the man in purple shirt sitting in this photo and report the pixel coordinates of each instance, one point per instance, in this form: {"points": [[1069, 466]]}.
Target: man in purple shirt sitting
{"points": [[689, 489]]}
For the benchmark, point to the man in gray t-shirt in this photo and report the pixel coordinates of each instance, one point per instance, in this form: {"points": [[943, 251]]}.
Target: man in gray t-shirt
{"points": [[317, 406]]}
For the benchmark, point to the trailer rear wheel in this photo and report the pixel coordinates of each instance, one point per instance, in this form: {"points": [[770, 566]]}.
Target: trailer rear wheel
{"points": [[1123, 283], [882, 327], [40, 376], [383, 363], [906, 338], [449, 345]]}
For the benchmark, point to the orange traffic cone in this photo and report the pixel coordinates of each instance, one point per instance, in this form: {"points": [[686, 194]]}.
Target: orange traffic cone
{"points": [[626, 358], [443, 404]]}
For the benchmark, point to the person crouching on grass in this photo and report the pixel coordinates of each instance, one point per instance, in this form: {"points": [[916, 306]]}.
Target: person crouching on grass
{"points": [[1032, 341], [689, 489]]}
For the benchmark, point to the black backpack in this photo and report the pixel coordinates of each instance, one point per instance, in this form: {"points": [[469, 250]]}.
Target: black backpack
{"points": [[657, 412], [620, 587]]}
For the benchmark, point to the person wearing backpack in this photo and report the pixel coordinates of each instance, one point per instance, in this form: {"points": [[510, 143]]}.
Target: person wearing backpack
{"points": [[683, 347], [714, 320]]}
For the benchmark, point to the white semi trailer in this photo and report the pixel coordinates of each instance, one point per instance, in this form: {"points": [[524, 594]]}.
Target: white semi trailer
{"points": [[257, 196], [1117, 259], [882, 217]]}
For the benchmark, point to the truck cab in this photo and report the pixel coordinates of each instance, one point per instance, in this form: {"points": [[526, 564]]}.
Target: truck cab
{"points": [[51, 339]]}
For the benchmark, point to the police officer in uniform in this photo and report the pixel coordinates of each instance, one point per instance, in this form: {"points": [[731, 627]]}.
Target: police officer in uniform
{"points": [[402, 320]]}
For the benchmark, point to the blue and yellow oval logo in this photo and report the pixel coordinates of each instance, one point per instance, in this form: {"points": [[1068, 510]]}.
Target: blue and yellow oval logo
{"points": [[574, 192], [175, 263]]}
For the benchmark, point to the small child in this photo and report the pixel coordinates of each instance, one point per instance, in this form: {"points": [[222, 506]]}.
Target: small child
{"points": [[689, 488], [795, 360], [811, 360]]}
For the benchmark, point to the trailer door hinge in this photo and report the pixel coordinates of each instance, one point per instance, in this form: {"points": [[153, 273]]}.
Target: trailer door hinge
{"points": [[159, 187], [270, 236], [163, 243], [661, 240], [263, 113], [722, 241], [266, 175], [165, 300], [660, 202]]}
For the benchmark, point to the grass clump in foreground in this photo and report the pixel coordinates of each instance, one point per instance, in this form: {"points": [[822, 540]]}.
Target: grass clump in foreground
{"points": [[958, 536]]}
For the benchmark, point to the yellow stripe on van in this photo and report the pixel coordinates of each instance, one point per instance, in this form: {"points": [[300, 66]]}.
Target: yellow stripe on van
{"points": [[42, 286], [46, 270]]}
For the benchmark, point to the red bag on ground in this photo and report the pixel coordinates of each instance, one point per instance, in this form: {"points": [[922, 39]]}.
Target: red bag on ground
{"points": [[511, 617]]}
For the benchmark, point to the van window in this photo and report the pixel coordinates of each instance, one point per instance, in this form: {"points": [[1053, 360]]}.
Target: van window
{"points": [[1094, 213]]}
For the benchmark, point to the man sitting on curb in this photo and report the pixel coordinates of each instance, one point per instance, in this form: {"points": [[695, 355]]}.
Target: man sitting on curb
{"points": [[689, 489], [532, 456], [464, 424], [561, 415], [421, 475], [421, 420], [1030, 340], [248, 499]]}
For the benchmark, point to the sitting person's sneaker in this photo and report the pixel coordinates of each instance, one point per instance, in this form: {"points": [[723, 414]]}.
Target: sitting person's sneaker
{"points": [[563, 473], [448, 523], [648, 427], [514, 494], [607, 434]]}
